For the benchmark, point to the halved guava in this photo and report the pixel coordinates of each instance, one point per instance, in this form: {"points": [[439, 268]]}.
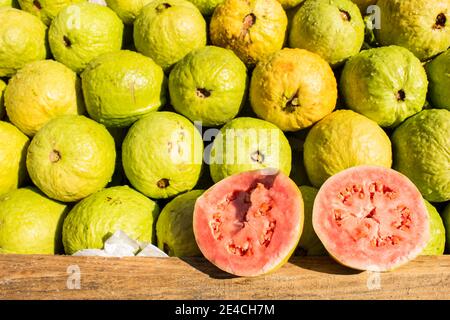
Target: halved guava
{"points": [[371, 218], [250, 223]]}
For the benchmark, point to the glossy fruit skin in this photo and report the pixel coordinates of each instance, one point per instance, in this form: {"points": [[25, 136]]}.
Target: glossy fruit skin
{"points": [[293, 89], [438, 71], [421, 152], [208, 85], [46, 10], [127, 10], [436, 245], [253, 29], [387, 85], [121, 87]]}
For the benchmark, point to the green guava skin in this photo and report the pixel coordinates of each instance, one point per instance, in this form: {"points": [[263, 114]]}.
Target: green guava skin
{"points": [[13, 150], [253, 147], [342, 140], [83, 31], [446, 218], [438, 71], [9, 3], [122, 86], [436, 244], [421, 153], [30, 223], [206, 7], [2, 102], [71, 157], [166, 31], [309, 244], [162, 155], [22, 40], [334, 29], [127, 10], [174, 229], [415, 25], [41, 91], [253, 29], [387, 85], [208, 85], [46, 10], [94, 219]]}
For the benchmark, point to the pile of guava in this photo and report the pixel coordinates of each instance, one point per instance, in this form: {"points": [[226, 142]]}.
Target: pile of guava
{"points": [[243, 132]]}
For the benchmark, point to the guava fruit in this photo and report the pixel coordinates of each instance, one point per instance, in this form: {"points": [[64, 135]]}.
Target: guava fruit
{"points": [[364, 4], [436, 244], [122, 86], [30, 223], [46, 10], [342, 140], [421, 152], [387, 85], [127, 10], [13, 150], [162, 155], [71, 157], [250, 223], [2, 103], [174, 226], [253, 29], [371, 218], [293, 89], [83, 31], [446, 219], [208, 85], [334, 29], [246, 144], [9, 3], [421, 26], [438, 71], [309, 244], [22, 40], [206, 7], [166, 31], [96, 218], [41, 91]]}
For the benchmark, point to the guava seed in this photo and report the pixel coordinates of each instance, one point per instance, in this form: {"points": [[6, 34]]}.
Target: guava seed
{"points": [[257, 157], [163, 183], [55, 156], [202, 93], [401, 95], [163, 6], [37, 4], [67, 42], [345, 15], [441, 21]]}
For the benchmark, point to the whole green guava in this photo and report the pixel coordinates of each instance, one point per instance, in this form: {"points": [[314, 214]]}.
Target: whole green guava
{"points": [[46, 10], [30, 223], [422, 26], [208, 85], [438, 71], [71, 157], [122, 86], [446, 218], [166, 31], [162, 155], [127, 10], [387, 85], [334, 29], [421, 152], [245, 144], [342, 140], [174, 226], [94, 219], [206, 7], [436, 244], [22, 40], [2, 102], [41, 91], [83, 31]]}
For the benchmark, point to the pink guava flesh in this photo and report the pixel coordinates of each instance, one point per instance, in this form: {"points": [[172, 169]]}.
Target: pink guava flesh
{"points": [[371, 218], [250, 223]]}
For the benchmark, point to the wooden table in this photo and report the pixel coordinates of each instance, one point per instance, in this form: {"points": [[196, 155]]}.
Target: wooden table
{"points": [[63, 277]]}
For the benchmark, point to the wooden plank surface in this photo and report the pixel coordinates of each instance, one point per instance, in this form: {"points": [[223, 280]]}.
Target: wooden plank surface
{"points": [[62, 277]]}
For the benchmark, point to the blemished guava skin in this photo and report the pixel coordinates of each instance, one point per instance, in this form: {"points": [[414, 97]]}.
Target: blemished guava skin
{"points": [[127, 10], [174, 226], [71, 157], [293, 89], [2, 102], [421, 153], [342, 140], [253, 29], [46, 10], [83, 31], [422, 26], [245, 144], [166, 31], [122, 86], [162, 155], [41, 91], [206, 7], [208, 85], [334, 29], [436, 244], [387, 85], [22, 40], [13, 150], [438, 71], [30, 223], [446, 218]]}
